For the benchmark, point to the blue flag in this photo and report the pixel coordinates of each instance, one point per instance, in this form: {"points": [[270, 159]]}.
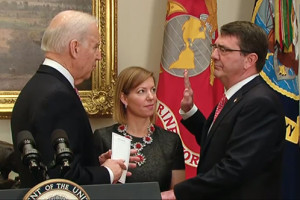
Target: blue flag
{"points": [[278, 19]]}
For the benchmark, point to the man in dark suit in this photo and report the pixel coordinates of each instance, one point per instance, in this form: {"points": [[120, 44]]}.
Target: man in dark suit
{"points": [[241, 148], [49, 102]]}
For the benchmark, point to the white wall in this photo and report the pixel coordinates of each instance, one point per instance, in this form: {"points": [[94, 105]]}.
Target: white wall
{"points": [[140, 35]]}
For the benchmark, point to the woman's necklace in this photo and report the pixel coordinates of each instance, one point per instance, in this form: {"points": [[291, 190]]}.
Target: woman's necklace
{"points": [[138, 145]]}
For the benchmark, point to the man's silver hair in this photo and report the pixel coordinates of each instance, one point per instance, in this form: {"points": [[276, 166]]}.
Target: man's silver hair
{"points": [[74, 25]]}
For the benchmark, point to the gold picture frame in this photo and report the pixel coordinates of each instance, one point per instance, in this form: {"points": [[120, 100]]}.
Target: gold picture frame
{"points": [[98, 100]]}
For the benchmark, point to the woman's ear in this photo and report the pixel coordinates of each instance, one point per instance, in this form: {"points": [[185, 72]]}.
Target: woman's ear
{"points": [[123, 99]]}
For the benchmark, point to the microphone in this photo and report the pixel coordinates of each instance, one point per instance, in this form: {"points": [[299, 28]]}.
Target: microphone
{"points": [[26, 145], [64, 155]]}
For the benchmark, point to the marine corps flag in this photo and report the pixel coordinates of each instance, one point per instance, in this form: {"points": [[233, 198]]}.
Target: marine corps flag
{"points": [[190, 29], [278, 19]]}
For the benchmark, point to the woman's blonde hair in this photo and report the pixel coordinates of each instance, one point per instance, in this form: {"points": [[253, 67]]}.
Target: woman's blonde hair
{"points": [[128, 79]]}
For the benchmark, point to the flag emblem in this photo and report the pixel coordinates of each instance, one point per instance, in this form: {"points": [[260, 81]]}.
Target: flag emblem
{"points": [[189, 48]]}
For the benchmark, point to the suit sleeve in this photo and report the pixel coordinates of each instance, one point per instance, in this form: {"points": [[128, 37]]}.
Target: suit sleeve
{"points": [[194, 124], [101, 140]]}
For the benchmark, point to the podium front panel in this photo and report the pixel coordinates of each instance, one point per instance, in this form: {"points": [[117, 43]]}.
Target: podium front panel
{"points": [[138, 191]]}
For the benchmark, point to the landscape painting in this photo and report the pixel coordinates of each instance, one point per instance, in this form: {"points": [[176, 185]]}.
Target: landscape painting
{"points": [[21, 28], [22, 24]]}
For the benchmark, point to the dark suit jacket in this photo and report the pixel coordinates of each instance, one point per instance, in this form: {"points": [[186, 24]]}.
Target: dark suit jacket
{"points": [[49, 102], [241, 155]]}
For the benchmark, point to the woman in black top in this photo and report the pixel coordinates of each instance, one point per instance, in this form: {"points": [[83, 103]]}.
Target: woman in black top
{"points": [[160, 151]]}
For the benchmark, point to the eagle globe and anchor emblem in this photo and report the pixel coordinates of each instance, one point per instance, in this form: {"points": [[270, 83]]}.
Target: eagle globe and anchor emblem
{"points": [[189, 48]]}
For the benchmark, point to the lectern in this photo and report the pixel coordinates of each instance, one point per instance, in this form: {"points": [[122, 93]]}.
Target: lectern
{"points": [[138, 191]]}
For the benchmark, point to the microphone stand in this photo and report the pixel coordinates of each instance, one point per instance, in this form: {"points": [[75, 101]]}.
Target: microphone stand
{"points": [[44, 171], [40, 172], [64, 167]]}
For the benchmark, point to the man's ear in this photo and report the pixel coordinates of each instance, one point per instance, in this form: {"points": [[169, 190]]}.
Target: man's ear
{"points": [[74, 48], [251, 60]]}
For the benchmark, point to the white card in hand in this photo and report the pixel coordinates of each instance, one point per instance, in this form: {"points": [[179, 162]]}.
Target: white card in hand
{"points": [[120, 148]]}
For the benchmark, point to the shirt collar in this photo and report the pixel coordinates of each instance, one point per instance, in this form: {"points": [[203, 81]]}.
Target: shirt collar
{"points": [[231, 91], [60, 68]]}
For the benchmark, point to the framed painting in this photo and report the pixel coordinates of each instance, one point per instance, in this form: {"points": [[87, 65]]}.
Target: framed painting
{"points": [[21, 27]]}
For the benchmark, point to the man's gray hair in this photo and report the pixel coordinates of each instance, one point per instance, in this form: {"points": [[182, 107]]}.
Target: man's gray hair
{"points": [[73, 25]]}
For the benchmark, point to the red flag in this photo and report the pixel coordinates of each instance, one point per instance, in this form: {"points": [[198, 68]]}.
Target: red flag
{"points": [[191, 27]]}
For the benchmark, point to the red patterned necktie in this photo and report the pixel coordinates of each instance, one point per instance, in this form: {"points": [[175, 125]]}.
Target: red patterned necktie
{"points": [[220, 106]]}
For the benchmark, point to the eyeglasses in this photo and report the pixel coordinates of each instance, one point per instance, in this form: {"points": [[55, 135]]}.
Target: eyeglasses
{"points": [[224, 50]]}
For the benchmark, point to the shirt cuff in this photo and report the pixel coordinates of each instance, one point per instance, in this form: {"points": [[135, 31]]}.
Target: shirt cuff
{"points": [[186, 115], [111, 174]]}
